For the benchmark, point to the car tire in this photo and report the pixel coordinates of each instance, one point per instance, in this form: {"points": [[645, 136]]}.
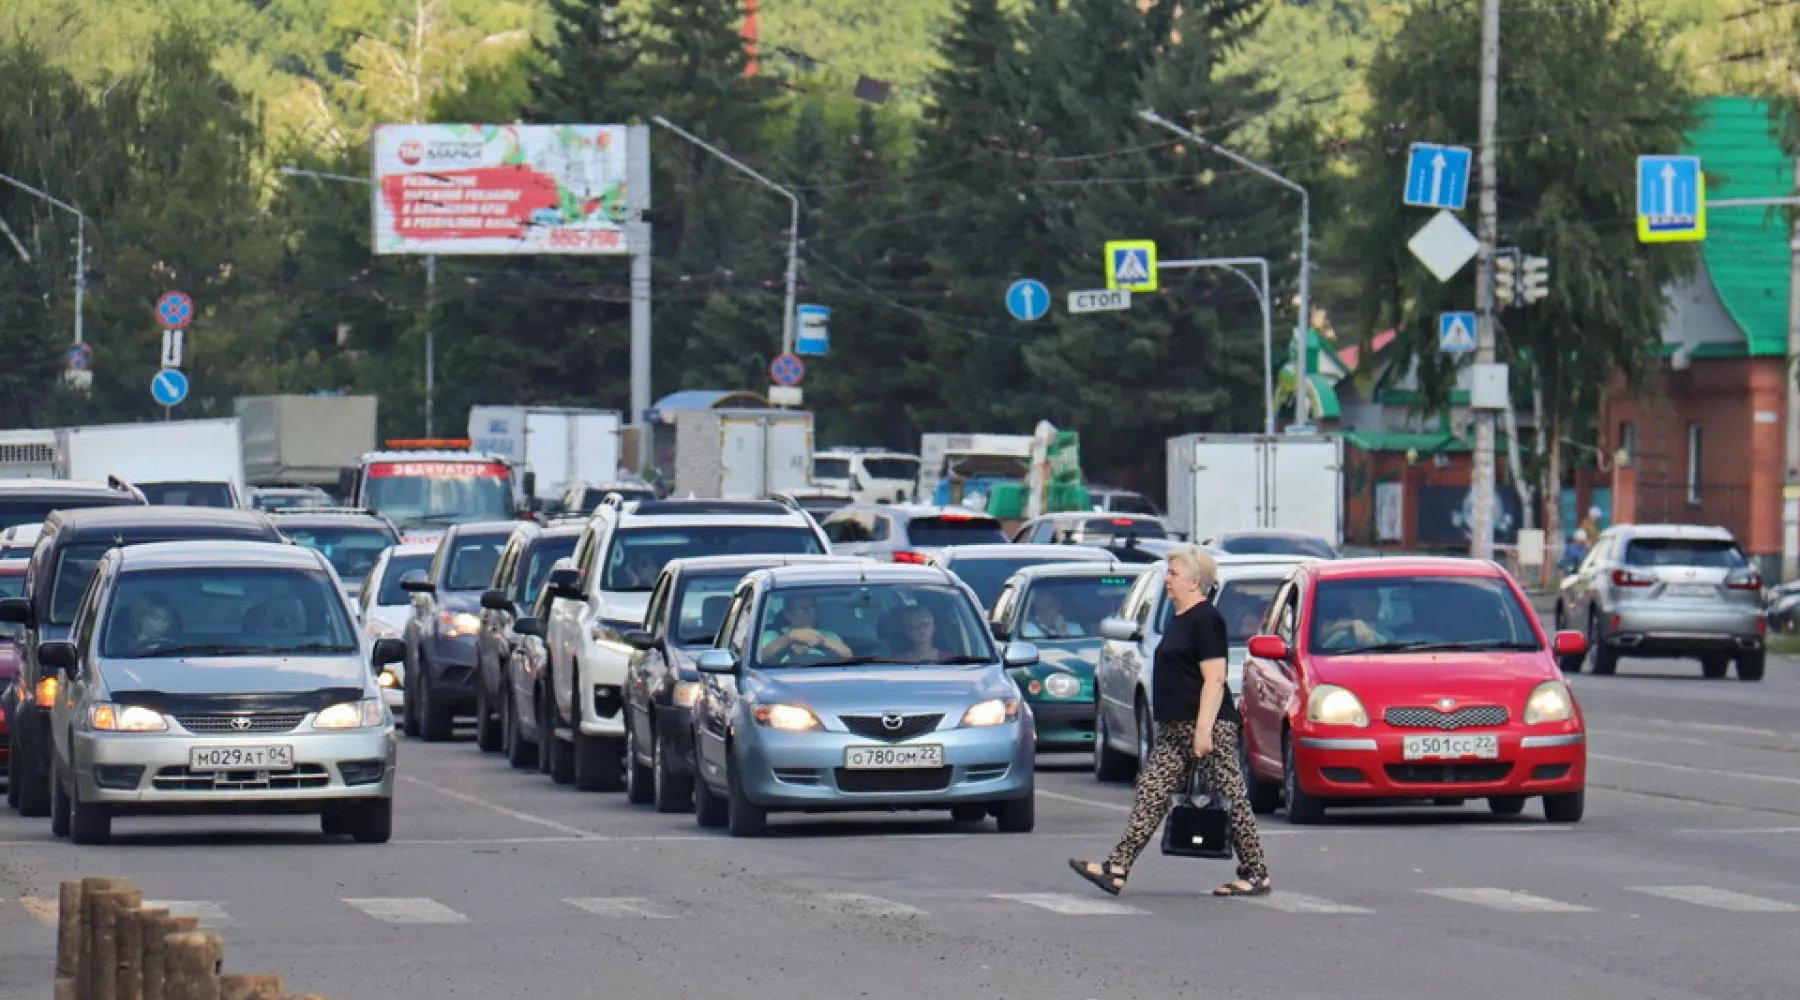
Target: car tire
{"points": [[334, 821], [970, 813], [1302, 809], [743, 818], [1262, 798], [34, 786], [640, 781], [520, 752], [710, 811], [599, 762], [90, 823], [59, 808], [674, 793], [1109, 764], [1146, 733], [540, 713], [1565, 808], [1713, 666], [372, 821], [1017, 815], [1506, 805], [14, 762], [409, 708], [436, 723], [555, 756], [1750, 666], [1560, 618], [1606, 659], [487, 722]]}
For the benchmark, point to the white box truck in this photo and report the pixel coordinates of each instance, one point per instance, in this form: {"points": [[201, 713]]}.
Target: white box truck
{"points": [[742, 454], [560, 445], [1239, 482], [27, 454], [993, 453], [304, 440], [171, 451]]}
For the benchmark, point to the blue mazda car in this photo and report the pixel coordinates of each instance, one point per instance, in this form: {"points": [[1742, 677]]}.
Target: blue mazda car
{"points": [[860, 687]]}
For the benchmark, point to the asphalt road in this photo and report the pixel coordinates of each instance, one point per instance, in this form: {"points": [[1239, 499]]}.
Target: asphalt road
{"points": [[1683, 881]]}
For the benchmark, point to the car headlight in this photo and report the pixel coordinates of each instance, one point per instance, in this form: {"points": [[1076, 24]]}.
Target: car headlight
{"points": [[387, 678], [457, 623], [1549, 702], [1061, 685], [686, 693], [993, 712], [112, 718], [369, 712], [379, 629], [793, 718], [1335, 706]]}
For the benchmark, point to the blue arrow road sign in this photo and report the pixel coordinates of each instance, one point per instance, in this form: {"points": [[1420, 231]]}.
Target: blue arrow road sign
{"points": [[814, 335], [169, 387], [1438, 176], [1027, 299], [1671, 198], [1456, 332]]}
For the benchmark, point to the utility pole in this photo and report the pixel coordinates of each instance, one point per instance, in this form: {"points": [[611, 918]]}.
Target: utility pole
{"points": [[430, 342], [1481, 530], [80, 245]]}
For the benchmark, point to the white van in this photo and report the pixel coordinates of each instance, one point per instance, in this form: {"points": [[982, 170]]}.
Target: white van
{"points": [[872, 476]]}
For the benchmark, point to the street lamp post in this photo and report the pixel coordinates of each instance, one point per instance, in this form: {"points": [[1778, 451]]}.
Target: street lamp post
{"points": [[430, 295], [787, 316], [1262, 292], [1300, 404], [80, 245]]}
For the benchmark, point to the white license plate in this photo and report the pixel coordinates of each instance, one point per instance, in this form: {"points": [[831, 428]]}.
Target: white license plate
{"points": [[892, 758], [1478, 745], [244, 758], [1690, 590]]}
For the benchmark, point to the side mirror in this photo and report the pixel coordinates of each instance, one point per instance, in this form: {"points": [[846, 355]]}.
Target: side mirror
{"points": [[529, 482], [1120, 629], [1001, 630], [496, 600], [1268, 647], [638, 639], [716, 661], [1568, 643], [59, 656], [1019, 654], [416, 582], [389, 651], [529, 626], [16, 610], [565, 583]]}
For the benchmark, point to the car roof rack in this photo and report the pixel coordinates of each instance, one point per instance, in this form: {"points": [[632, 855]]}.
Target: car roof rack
{"points": [[690, 507]]}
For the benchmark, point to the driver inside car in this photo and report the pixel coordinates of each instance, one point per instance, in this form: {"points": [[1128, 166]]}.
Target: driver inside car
{"points": [[1348, 623], [153, 622], [798, 637]]}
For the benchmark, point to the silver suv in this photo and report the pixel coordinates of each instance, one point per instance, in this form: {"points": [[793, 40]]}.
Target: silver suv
{"points": [[1670, 591]]}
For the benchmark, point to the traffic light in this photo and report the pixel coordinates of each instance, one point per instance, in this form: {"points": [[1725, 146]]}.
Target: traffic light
{"points": [[1536, 279], [1506, 276]]}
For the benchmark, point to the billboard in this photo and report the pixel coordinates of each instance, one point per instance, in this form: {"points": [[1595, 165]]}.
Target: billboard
{"points": [[500, 189]]}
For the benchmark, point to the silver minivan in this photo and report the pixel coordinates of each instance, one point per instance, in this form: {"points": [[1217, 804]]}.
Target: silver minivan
{"points": [[206, 677]]}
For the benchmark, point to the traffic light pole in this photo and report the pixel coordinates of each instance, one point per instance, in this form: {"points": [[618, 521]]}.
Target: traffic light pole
{"points": [[1481, 528]]}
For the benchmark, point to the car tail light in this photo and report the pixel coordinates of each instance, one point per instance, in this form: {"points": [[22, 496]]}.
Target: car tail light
{"points": [[909, 557], [956, 517], [1749, 581], [1631, 578], [1123, 522], [1762, 626], [46, 692]]}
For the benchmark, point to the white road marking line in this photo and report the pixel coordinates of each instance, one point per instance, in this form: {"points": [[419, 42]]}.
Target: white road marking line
{"points": [[1294, 902], [523, 817], [408, 910], [1774, 778], [1716, 727], [1508, 900], [44, 911], [1718, 899], [1745, 830], [858, 904], [621, 906], [1072, 906], [1078, 800], [210, 914]]}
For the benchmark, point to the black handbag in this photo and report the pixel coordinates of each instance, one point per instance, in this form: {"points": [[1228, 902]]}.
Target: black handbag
{"points": [[1199, 822]]}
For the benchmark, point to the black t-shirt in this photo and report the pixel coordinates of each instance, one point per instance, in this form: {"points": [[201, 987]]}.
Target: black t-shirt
{"points": [[1194, 635]]}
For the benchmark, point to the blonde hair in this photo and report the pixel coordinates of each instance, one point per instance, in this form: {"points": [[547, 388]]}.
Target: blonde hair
{"points": [[1196, 564]]}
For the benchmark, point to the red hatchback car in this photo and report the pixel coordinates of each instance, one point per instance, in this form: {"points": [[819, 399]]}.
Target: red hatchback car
{"points": [[1410, 679]]}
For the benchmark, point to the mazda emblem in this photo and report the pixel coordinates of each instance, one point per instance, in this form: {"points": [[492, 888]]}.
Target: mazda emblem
{"points": [[892, 720], [240, 723], [1446, 704]]}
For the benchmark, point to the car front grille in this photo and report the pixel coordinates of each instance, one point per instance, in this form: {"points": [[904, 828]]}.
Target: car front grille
{"points": [[1447, 774], [875, 727], [240, 722], [178, 778], [1474, 716], [907, 779]]}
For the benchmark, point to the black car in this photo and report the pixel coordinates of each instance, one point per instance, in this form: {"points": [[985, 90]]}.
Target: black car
{"points": [[440, 635], [30, 501], [191, 493], [524, 564], [61, 567], [351, 540], [1271, 542]]}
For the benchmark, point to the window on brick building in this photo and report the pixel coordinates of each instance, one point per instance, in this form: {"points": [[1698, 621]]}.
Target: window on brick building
{"points": [[1693, 463], [1627, 442]]}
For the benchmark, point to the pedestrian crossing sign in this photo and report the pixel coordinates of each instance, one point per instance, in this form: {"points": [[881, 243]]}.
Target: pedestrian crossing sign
{"points": [[1131, 265]]}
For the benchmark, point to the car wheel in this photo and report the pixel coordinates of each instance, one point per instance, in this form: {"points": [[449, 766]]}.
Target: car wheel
{"points": [[90, 823], [674, 792], [1262, 798], [1109, 764], [710, 811], [520, 752], [1017, 815], [640, 783], [435, 721], [1302, 809], [599, 762], [743, 818], [59, 808], [334, 821], [487, 723], [1565, 808], [372, 821], [1506, 805], [1750, 666], [1714, 666], [409, 708], [555, 757], [969, 813], [1606, 659], [1146, 733], [34, 786]]}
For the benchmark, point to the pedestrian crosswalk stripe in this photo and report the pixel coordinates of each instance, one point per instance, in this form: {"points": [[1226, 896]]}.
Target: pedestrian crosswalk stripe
{"points": [[1294, 902], [1718, 899], [1073, 906], [42, 910], [1507, 899], [858, 904], [209, 913], [408, 910], [621, 906]]}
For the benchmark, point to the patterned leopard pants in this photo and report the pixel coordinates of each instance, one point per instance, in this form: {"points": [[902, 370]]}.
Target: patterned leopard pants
{"points": [[1166, 773]]}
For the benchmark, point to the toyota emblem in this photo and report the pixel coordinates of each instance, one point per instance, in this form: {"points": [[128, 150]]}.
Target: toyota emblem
{"points": [[1446, 704], [240, 723], [892, 720]]}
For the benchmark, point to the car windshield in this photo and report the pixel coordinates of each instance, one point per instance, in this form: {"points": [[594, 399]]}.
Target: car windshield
{"points": [[591, 497], [352, 551], [700, 608], [988, 576], [473, 559], [390, 594], [291, 501], [1277, 545], [892, 468], [188, 494], [436, 494], [544, 554], [17, 512], [1122, 527], [849, 624], [225, 612], [74, 569], [1418, 614], [11, 585], [1242, 603], [1071, 607], [1131, 503], [1702, 553], [637, 556], [831, 468], [935, 532]]}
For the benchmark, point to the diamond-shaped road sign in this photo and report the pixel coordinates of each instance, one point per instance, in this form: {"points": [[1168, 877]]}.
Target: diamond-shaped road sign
{"points": [[1444, 245]]}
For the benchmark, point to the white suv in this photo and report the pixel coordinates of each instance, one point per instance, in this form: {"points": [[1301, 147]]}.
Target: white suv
{"points": [[605, 594]]}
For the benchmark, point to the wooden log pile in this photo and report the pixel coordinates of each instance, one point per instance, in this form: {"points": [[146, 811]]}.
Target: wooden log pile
{"points": [[109, 946]]}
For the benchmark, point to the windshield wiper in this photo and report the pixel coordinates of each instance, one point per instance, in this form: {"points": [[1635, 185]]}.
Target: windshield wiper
{"points": [[1485, 644], [1431, 647], [213, 649], [438, 518], [313, 647]]}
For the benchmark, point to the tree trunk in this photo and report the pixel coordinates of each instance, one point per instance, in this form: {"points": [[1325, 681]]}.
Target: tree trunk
{"points": [[1516, 465], [1553, 544]]}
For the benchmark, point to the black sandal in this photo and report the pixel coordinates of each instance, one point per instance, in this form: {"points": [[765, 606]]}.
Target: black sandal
{"points": [[1244, 887], [1109, 877]]}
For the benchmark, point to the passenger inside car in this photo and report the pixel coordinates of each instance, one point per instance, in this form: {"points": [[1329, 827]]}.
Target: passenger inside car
{"points": [[919, 631]]}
